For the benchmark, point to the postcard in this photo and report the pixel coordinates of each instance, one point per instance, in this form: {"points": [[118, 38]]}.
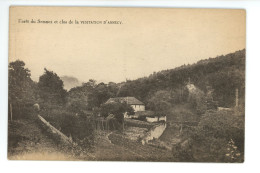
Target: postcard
{"points": [[126, 84]]}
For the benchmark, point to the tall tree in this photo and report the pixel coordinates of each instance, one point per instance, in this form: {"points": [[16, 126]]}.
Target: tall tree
{"points": [[51, 89], [100, 94], [21, 94]]}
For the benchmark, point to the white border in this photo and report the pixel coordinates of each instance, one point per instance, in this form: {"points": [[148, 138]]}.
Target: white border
{"points": [[252, 146]]}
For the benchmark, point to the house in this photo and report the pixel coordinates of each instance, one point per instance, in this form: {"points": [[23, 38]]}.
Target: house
{"points": [[150, 116], [136, 104]]}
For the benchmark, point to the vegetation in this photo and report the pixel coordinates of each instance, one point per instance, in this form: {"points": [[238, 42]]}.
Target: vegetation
{"points": [[79, 128], [67, 119], [91, 95], [218, 137], [223, 74], [215, 131], [21, 90], [51, 91], [187, 94], [160, 102], [116, 109]]}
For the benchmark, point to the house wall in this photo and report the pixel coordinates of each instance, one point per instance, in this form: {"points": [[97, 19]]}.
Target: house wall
{"points": [[155, 119], [151, 120], [138, 107]]}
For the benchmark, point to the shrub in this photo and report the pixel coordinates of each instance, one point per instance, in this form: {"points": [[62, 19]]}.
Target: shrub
{"points": [[214, 132], [79, 128]]}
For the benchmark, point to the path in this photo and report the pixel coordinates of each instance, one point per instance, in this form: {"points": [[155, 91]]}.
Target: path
{"points": [[28, 142]]}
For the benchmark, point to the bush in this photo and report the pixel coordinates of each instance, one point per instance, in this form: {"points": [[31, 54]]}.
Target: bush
{"points": [[182, 153], [214, 131], [79, 128]]}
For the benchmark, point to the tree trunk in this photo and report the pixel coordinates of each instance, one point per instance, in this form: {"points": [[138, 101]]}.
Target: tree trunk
{"points": [[107, 125], [123, 123], [113, 125], [102, 125], [11, 111]]}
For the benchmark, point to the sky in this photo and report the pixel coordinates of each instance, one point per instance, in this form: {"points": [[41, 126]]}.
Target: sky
{"points": [[144, 41]]}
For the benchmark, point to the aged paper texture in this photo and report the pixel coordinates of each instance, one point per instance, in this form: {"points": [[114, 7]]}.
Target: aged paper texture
{"points": [[126, 84]]}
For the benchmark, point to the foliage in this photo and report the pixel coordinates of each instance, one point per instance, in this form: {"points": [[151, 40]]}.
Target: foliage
{"points": [[196, 98], [77, 98], [160, 102], [80, 128], [182, 153], [99, 95], [217, 128], [117, 109], [223, 73], [21, 94], [183, 113], [90, 95], [51, 89], [161, 91], [232, 155]]}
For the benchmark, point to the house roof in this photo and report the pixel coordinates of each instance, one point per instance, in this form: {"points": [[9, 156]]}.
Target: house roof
{"points": [[127, 100]]}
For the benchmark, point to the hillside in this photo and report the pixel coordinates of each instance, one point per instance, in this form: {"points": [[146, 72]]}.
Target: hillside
{"points": [[223, 74]]}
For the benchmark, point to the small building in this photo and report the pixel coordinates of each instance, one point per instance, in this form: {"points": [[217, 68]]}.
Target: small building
{"points": [[156, 119], [149, 116], [136, 104]]}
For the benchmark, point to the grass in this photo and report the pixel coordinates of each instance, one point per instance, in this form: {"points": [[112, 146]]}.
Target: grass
{"points": [[27, 141]]}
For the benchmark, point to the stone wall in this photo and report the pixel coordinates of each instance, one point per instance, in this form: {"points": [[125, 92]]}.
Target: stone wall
{"points": [[56, 132], [154, 133]]}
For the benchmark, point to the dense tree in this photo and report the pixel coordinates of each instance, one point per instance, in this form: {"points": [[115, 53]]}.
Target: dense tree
{"points": [[21, 89], [51, 89], [196, 98], [117, 109], [223, 73], [100, 94], [214, 133], [161, 102], [91, 95], [77, 99]]}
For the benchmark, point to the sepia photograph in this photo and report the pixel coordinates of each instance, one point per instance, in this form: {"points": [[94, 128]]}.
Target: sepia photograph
{"points": [[126, 84]]}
